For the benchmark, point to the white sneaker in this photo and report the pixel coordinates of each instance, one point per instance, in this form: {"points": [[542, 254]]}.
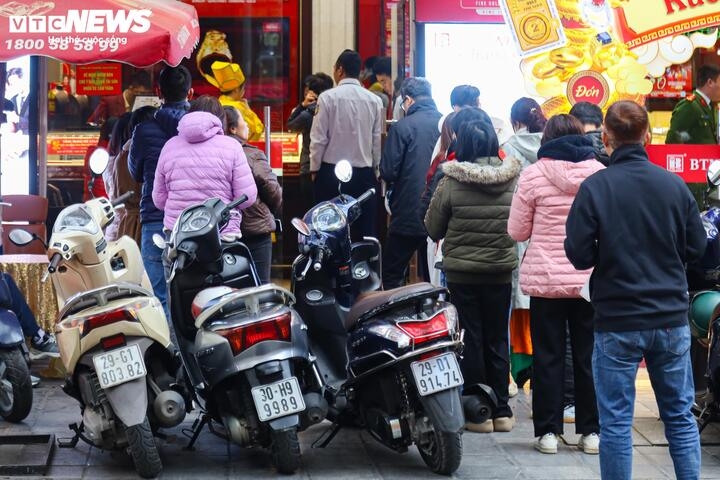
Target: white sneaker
{"points": [[512, 388], [590, 443], [569, 414], [547, 443]]}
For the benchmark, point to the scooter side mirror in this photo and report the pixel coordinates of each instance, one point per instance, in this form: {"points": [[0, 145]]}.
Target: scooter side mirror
{"points": [[159, 241], [21, 237], [343, 171], [99, 160], [301, 226], [713, 173]]}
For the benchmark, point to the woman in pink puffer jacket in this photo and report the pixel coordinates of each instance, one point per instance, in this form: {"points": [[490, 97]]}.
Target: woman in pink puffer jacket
{"points": [[539, 210], [201, 163]]}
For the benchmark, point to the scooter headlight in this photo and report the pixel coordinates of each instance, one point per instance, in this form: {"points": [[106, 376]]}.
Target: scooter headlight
{"points": [[76, 218], [392, 333], [196, 220]]}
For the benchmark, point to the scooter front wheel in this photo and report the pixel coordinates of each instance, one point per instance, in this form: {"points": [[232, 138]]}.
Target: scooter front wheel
{"points": [[285, 449], [16, 393], [142, 449]]}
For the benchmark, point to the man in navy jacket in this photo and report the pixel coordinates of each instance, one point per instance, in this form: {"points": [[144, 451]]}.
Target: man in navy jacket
{"points": [[638, 225]]}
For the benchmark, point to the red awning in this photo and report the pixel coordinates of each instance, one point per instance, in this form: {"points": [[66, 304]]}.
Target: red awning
{"points": [[138, 32]]}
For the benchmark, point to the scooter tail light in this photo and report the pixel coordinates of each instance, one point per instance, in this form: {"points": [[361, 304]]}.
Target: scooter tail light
{"points": [[243, 337], [106, 318], [424, 331]]}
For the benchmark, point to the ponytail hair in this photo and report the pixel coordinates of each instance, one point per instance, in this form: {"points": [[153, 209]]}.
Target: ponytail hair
{"points": [[476, 139], [527, 111]]}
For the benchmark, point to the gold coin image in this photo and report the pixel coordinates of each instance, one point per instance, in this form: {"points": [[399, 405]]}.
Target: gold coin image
{"points": [[545, 69], [535, 29], [567, 57]]}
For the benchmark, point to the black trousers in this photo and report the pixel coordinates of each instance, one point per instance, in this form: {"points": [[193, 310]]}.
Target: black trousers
{"points": [[326, 187], [548, 320], [397, 253], [483, 311], [261, 250]]}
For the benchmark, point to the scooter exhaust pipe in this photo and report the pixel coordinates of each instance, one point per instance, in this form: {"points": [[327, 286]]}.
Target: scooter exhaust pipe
{"points": [[169, 408], [316, 407]]}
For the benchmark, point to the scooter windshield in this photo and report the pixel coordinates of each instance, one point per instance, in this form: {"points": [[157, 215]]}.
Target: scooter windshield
{"points": [[76, 218]]}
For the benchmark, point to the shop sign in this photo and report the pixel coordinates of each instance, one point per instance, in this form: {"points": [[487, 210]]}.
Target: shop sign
{"points": [[99, 79], [71, 145], [688, 161], [588, 86], [643, 21], [465, 11], [675, 83]]}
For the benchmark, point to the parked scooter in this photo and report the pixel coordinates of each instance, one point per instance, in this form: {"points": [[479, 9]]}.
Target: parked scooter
{"points": [[112, 334], [705, 304], [15, 384], [388, 359], [244, 347]]}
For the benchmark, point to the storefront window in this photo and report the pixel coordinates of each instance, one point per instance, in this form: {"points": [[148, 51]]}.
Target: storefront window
{"points": [[14, 128]]}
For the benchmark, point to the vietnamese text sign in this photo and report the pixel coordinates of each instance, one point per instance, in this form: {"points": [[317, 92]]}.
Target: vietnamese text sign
{"points": [[99, 79], [71, 145], [643, 21], [690, 162]]}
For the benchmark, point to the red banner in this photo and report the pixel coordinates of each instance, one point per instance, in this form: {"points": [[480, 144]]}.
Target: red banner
{"points": [[99, 79], [690, 162], [72, 145], [465, 11], [676, 83]]}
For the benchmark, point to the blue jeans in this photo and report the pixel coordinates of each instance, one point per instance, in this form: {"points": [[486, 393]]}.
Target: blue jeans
{"points": [[20, 308], [615, 362], [152, 258]]}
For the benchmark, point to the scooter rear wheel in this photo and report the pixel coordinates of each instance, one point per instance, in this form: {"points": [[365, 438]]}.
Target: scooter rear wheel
{"points": [[16, 393], [285, 450], [142, 449], [441, 451]]}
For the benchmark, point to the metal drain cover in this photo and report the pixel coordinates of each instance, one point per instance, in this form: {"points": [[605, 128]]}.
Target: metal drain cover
{"points": [[25, 454]]}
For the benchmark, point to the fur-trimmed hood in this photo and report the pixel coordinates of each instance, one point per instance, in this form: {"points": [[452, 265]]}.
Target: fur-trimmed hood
{"points": [[488, 173]]}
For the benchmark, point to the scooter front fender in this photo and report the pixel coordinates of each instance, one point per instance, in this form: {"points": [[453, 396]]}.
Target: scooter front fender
{"points": [[129, 401], [445, 409], [10, 330]]}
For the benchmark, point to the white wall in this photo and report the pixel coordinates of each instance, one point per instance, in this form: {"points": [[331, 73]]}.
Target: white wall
{"points": [[333, 27]]}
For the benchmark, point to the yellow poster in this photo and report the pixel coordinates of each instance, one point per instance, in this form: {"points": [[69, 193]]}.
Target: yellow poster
{"points": [[534, 23]]}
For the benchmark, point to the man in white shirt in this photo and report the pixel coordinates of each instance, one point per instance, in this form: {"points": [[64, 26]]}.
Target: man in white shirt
{"points": [[348, 124]]}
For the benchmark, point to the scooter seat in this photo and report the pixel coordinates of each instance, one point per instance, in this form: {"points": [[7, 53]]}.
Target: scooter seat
{"points": [[370, 304]]}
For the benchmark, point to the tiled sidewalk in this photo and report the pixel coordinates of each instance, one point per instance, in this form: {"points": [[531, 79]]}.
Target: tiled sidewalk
{"points": [[355, 455]]}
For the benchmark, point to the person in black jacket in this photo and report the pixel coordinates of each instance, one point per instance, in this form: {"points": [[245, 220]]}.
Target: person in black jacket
{"points": [[403, 166], [591, 117], [638, 225]]}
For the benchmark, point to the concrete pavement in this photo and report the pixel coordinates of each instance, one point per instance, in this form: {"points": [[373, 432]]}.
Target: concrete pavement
{"points": [[354, 454]]}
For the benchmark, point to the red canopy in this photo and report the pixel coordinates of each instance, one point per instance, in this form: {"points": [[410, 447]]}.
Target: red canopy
{"points": [[138, 32]]}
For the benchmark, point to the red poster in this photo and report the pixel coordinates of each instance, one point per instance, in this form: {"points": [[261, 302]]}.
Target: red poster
{"points": [[464, 11], [99, 79], [690, 162], [676, 83], [75, 145]]}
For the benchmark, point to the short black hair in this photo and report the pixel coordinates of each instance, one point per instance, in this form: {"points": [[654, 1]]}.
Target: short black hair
{"points": [[350, 62], [319, 82], [464, 96], [383, 66], [416, 87], [14, 71], [706, 73], [588, 113], [476, 139], [175, 83]]}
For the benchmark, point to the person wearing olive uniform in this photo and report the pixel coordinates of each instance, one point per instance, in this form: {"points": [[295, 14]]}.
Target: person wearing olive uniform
{"points": [[694, 119]]}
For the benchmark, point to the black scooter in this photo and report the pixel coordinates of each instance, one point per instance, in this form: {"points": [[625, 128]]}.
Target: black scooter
{"points": [[244, 348], [388, 359]]}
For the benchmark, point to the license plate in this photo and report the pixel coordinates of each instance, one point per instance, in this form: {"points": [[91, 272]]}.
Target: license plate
{"points": [[437, 374], [278, 399], [119, 366]]}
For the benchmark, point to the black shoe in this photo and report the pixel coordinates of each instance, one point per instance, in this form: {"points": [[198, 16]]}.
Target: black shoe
{"points": [[45, 347]]}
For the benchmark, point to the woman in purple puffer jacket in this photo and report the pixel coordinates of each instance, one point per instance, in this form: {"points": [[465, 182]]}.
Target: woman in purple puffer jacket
{"points": [[201, 163]]}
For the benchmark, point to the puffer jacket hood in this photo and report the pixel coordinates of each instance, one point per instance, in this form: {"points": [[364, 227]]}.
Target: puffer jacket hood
{"points": [[196, 127], [490, 174], [565, 151], [523, 146]]}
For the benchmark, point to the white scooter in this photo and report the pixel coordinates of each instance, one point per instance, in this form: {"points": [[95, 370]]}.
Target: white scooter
{"points": [[112, 333]]}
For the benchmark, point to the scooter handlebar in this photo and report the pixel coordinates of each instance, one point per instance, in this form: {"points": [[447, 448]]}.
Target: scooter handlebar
{"points": [[122, 198], [317, 258], [366, 196], [54, 262], [243, 198]]}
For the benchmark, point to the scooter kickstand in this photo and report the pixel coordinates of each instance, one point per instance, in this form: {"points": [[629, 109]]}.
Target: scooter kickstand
{"points": [[197, 427], [327, 437], [72, 442]]}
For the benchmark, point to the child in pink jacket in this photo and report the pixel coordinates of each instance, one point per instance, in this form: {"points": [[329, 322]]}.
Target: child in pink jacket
{"points": [[540, 207], [201, 163]]}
